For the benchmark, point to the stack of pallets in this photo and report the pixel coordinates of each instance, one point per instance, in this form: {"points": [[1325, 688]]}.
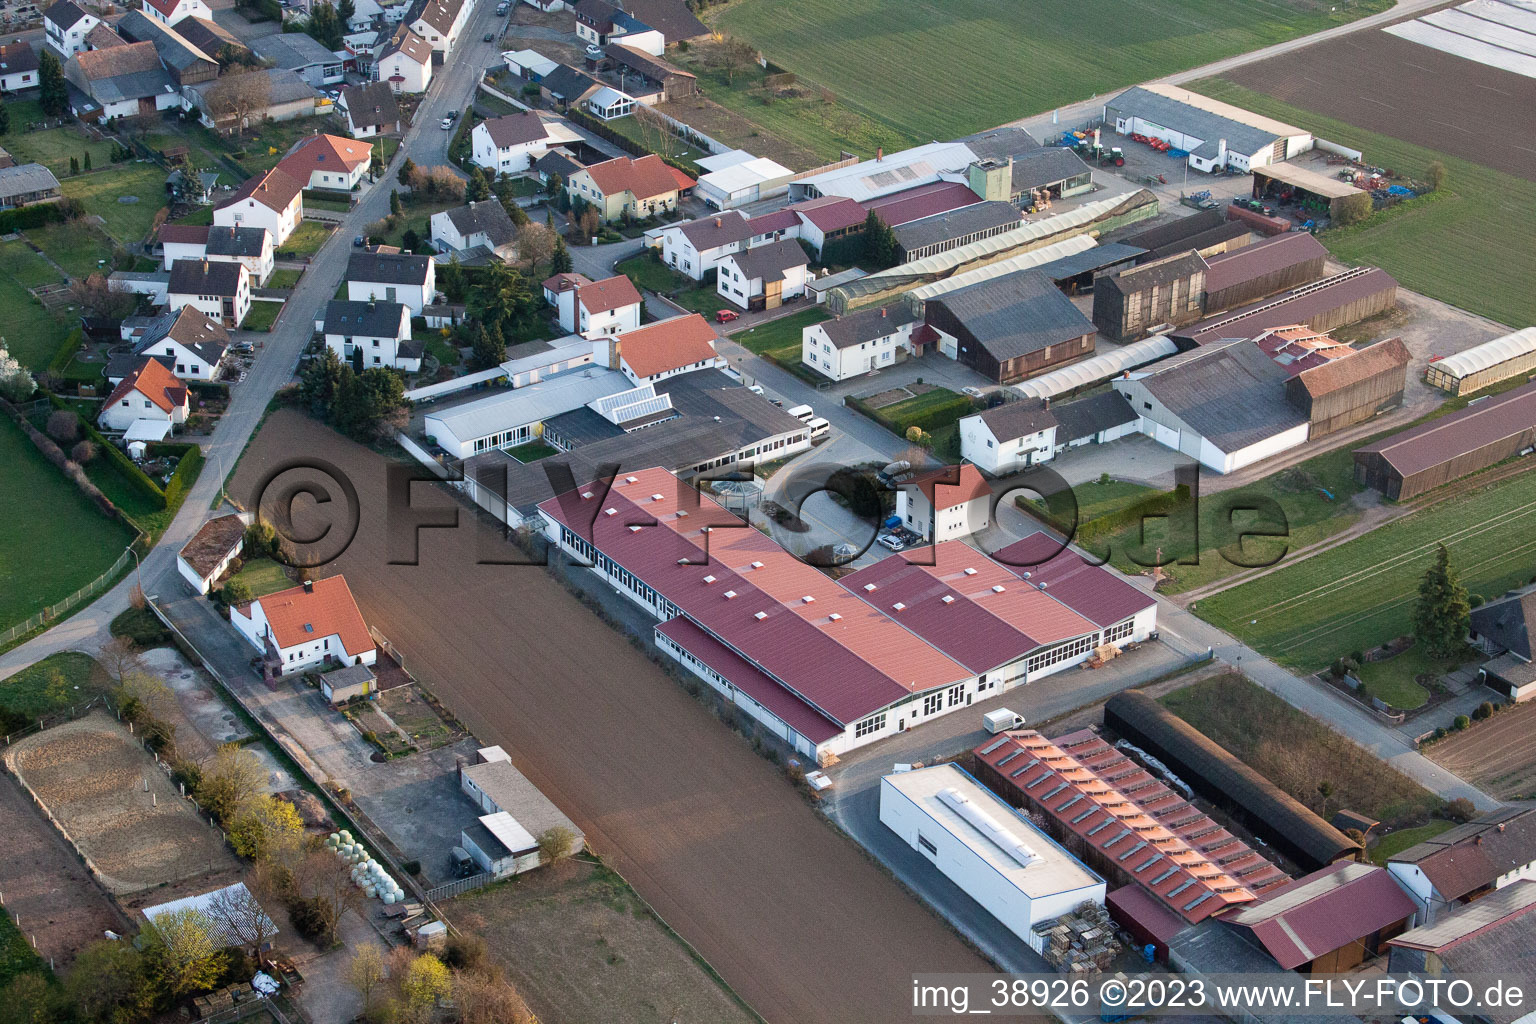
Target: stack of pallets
{"points": [[1082, 941]]}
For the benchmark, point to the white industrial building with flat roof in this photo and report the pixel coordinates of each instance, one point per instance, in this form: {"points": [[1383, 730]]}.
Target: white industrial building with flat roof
{"points": [[990, 850], [1213, 133]]}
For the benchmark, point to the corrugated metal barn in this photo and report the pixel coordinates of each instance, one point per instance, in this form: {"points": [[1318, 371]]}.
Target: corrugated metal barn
{"points": [[1422, 458], [1485, 365], [1323, 305], [1270, 812], [1347, 391], [1262, 269], [1207, 232], [1128, 304]]}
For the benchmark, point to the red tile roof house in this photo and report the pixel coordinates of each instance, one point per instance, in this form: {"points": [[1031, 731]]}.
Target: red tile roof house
{"points": [[832, 665], [594, 308], [1467, 863], [629, 187], [149, 392], [272, 200], [312, 624], [328, 162], [665, 349], [946, 503]]}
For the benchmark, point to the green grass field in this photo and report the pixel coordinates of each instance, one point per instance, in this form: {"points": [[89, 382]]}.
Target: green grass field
{"points": [[780, 340], [939, 70], [1361, 594], [128, 223], [32, 334], [53, 147], [56, 682], [1394, 843], [1395, 680], [263, 576], [79, 252], [668, 146], [653, 275], [284, 278], [52, 541], [16, 954], [262, 315], [307, 238], [1453, 245], [25, 267], [533, 451], [1296, 751]]}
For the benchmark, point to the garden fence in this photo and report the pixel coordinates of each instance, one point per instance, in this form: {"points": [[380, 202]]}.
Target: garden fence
{"points": [[459, 886], [57, 611]]}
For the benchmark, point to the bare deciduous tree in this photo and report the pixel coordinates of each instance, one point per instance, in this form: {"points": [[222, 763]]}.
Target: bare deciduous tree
{"points": [[120, 658], [536, 244], [97, 297], [319, 875], [486, 997], [237, 95], [242, 918]]}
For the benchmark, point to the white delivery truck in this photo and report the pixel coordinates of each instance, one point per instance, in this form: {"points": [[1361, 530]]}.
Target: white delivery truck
{"points": [[1002, 720]]}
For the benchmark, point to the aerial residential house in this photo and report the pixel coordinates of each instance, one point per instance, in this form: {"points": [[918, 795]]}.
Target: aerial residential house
{"points": [[310, 625], [123, 81], [250, 247], [405, 62], [947, 503], [1010, 327], [365, 14], [660, 350], [302, 54], [271, 200], [219, 289], [510, 144], [593, 308], [1498, 931], [65, 26], [697, 247], [628, 187], [328, 162], [513, 813], [215, 545], [186, 63], [149, 392], [18, 67], [856, 343], [1504, 628], [182, 242], [653, 79], [647, 25], [474, 231], [210, 37], [439, 22], [103, 38], [1009, 437], [190, 343], [563, 87], [392, 277], [1467, 863], [284, 97], [27, 183], [169, 12], [369, 110], [764, 276], [379, 331]]}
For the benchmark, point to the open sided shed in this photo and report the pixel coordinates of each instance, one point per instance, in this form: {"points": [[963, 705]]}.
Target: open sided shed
{"points": [[1275, 179]]}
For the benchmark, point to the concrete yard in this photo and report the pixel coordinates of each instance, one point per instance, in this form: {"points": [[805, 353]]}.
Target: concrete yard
{"points": [[793, 915]]}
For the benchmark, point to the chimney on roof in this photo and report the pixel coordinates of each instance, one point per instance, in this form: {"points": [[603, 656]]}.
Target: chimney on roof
{"points": [[309, 586], [883, 313], [717, 222], [879, 154]]}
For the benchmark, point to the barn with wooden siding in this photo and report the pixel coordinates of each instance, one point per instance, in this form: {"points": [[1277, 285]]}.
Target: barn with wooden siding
{"points": [[1260, 270], [1010, 327], [1207, 232], [1344, 298], [1343, 392], [1263, 807], [1168, 291], [1422, 458], [1486, 365]]}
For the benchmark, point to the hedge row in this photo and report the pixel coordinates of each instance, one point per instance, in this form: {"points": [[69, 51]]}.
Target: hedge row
{"points": [[928, 419], [628, 145], [136, 476], [65, 354], [38, 215], [54, 454], [1159, 504], [190, 461]]}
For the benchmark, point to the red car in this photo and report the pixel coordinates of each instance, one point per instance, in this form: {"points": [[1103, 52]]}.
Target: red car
{"points": [[725, 316]]}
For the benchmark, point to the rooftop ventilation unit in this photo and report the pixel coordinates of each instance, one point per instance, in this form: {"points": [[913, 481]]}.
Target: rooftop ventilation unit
{"points": [[586, 495], [834, 617], [631, 479], [988, 826], [807, 599], [709, 579], [730, 594], [610, 511], [898, 606], [757, 565], [634, 529], [655, 497], [970, 572], [948, 599], [760, 616]]}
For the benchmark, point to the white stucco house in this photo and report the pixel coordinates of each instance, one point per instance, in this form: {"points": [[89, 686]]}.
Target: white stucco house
{"points": [[312, 624], [510, 144], [328, 162], [392, 277], [150, 392], [593, 308], [169, 12], [374, 333], [404, 63], [65, 26], [482, 226], [856, 343], [271, 200], [191, 343], [765, 276], [219, 289], [948, 503]]}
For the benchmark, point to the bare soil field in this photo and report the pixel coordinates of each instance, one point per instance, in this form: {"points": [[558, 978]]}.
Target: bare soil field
{"points": [[1411, 92], [44, 882], [791, 913], [90, 773], [1498, 756], [580, 947]]}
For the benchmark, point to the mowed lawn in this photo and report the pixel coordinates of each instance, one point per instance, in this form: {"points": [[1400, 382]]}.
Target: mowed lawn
{"points": [[128, 223], [52, 540], [53, 148], [1466, 244], [31, 333], [780, 340], [935, 70], [1361, 594]]}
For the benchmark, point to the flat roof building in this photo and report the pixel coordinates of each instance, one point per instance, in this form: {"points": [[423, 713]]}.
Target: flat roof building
{"points": [[1213, 134], [993, 853]]}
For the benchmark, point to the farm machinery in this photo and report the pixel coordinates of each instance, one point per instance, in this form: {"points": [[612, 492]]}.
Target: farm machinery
{"points": [[1088, 145]]}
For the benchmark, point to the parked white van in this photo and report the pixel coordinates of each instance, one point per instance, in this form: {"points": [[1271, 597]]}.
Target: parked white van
{"points": [[801, 412], [819, 427]]}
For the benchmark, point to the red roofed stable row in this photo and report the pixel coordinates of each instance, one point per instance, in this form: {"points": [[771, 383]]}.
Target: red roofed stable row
{"points": [[1126, 823]]}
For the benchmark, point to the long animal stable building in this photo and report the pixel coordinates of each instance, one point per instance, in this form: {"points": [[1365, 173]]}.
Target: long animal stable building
{"points": [[830, 665]]}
